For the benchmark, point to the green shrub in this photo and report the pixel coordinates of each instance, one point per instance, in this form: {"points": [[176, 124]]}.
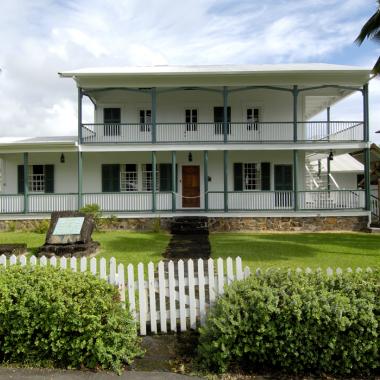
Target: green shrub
{"points": [[57, 317], [297, 323], [94, 210], [41, 226]]}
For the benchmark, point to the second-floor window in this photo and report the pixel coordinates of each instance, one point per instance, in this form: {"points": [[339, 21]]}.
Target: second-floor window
{"points": [[252, 119], [112, 120], [145, 120], [191, 119]]}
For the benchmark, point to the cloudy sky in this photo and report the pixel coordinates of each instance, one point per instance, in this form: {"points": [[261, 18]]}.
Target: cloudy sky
{"points": [[42, 37]]}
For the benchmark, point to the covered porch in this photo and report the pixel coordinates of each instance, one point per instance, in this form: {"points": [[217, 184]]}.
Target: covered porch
{"points": [[170, 182]]}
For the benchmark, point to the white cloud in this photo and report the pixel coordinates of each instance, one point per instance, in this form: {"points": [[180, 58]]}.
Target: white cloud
{"points": [[42, 37]]}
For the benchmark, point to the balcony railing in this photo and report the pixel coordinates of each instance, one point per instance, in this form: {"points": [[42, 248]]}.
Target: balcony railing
{"points": [[234, 132], [237, 201]]}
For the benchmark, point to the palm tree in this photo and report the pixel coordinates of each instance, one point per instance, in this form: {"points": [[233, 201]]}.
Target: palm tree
{"points": [[371, 30]]}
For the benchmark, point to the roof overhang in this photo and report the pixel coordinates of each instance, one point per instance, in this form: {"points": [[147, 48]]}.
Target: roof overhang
{"points": [[48, 144], [222, 75]]}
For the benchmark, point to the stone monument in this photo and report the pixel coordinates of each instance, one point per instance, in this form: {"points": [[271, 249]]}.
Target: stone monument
{"points": [[69, 234]]}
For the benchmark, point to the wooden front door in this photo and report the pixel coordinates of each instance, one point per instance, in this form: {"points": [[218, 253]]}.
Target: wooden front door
{"points": [[190, 186]]}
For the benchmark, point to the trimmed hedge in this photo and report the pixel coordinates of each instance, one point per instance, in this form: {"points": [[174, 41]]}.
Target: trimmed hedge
{"points": [[57, 317], [297, 323]]}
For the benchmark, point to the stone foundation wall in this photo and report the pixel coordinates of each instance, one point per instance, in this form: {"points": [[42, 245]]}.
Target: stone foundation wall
{"points": [[308, 224], [218, 224]]}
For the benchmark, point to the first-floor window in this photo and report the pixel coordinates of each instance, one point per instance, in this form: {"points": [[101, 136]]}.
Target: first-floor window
{"points": [[40, 178], [252, 119], [252, 178], [145, 120], [147, 177], [128, 178], [191, 116], [36, 178]]}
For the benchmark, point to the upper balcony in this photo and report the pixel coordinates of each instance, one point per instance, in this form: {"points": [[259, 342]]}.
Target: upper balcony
{"points": [[230, 132]]}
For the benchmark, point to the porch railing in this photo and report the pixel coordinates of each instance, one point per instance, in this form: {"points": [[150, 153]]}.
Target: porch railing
{"points": [[236, 201], [251, 200], [11, 204], [210, 132], [331, 200], [130, 202], [52, 202]]}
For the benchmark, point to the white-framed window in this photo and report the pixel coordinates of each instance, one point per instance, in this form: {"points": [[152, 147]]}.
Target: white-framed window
{"points": [[128, 178], [147, 178], [253, 118], [191, 119], [145, 116], [36, 178], [251, 176]]}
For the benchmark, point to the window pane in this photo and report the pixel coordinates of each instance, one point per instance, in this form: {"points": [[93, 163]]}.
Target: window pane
{"points": [[36, 178], [252, 177], [147, 178], [128, 178]]}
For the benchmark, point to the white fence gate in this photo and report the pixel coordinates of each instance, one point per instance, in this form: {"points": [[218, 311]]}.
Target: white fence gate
{"points": [[173, 295]]}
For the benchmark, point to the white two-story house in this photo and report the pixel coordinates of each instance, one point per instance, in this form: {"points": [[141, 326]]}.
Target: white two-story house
{"points": [[219, 141]]}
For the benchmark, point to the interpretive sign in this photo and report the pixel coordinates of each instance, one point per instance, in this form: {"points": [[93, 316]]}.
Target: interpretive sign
{"points": [[69, 226], [69, 234]]}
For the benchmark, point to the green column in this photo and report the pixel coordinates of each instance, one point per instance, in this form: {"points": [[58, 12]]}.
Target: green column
{"points": [[328, 174], [80, 96], [174, 180], [80, 180], [295, 184], [154, 114], [225, 112], [205, 177], [367, 178], [295, 112], [365, 113], [225, 170], [328, 123], [154, 181], [26, 183]]}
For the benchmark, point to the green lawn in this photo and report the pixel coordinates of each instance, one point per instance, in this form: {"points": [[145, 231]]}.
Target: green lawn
{"points": [[256, 249], [299, 249], [126, 247]]}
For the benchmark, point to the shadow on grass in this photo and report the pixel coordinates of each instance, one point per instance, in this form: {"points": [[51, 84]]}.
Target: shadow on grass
{"points": [[311, 249]]}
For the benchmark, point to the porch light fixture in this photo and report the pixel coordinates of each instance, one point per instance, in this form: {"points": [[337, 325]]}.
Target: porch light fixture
{"points": [[190, 157], [62, 159], [331, 156]]}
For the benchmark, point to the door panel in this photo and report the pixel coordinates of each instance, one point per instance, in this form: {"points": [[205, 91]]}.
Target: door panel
{"points": [[283, 181], [190, 186], [218, 120]]}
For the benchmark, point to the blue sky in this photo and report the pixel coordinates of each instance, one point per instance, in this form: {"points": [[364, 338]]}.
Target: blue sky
{"points": [[42, 37]]}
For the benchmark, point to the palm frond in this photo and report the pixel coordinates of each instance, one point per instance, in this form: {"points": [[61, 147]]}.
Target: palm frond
{"points": [[371, 28], [376, 68]]}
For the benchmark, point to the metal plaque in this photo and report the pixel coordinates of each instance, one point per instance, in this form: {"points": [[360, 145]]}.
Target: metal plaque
{"points": [[69, 226]]}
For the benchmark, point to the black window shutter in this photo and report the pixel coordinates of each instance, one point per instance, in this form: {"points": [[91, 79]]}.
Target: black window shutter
{"points": [[110, 178], [238, 176], [265, 176], [165, 177], [49, 178], [20, 179]]}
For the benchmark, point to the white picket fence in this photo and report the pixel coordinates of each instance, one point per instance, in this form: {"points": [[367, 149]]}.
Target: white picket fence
{"points": [[174, 296], [167, 297]]}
